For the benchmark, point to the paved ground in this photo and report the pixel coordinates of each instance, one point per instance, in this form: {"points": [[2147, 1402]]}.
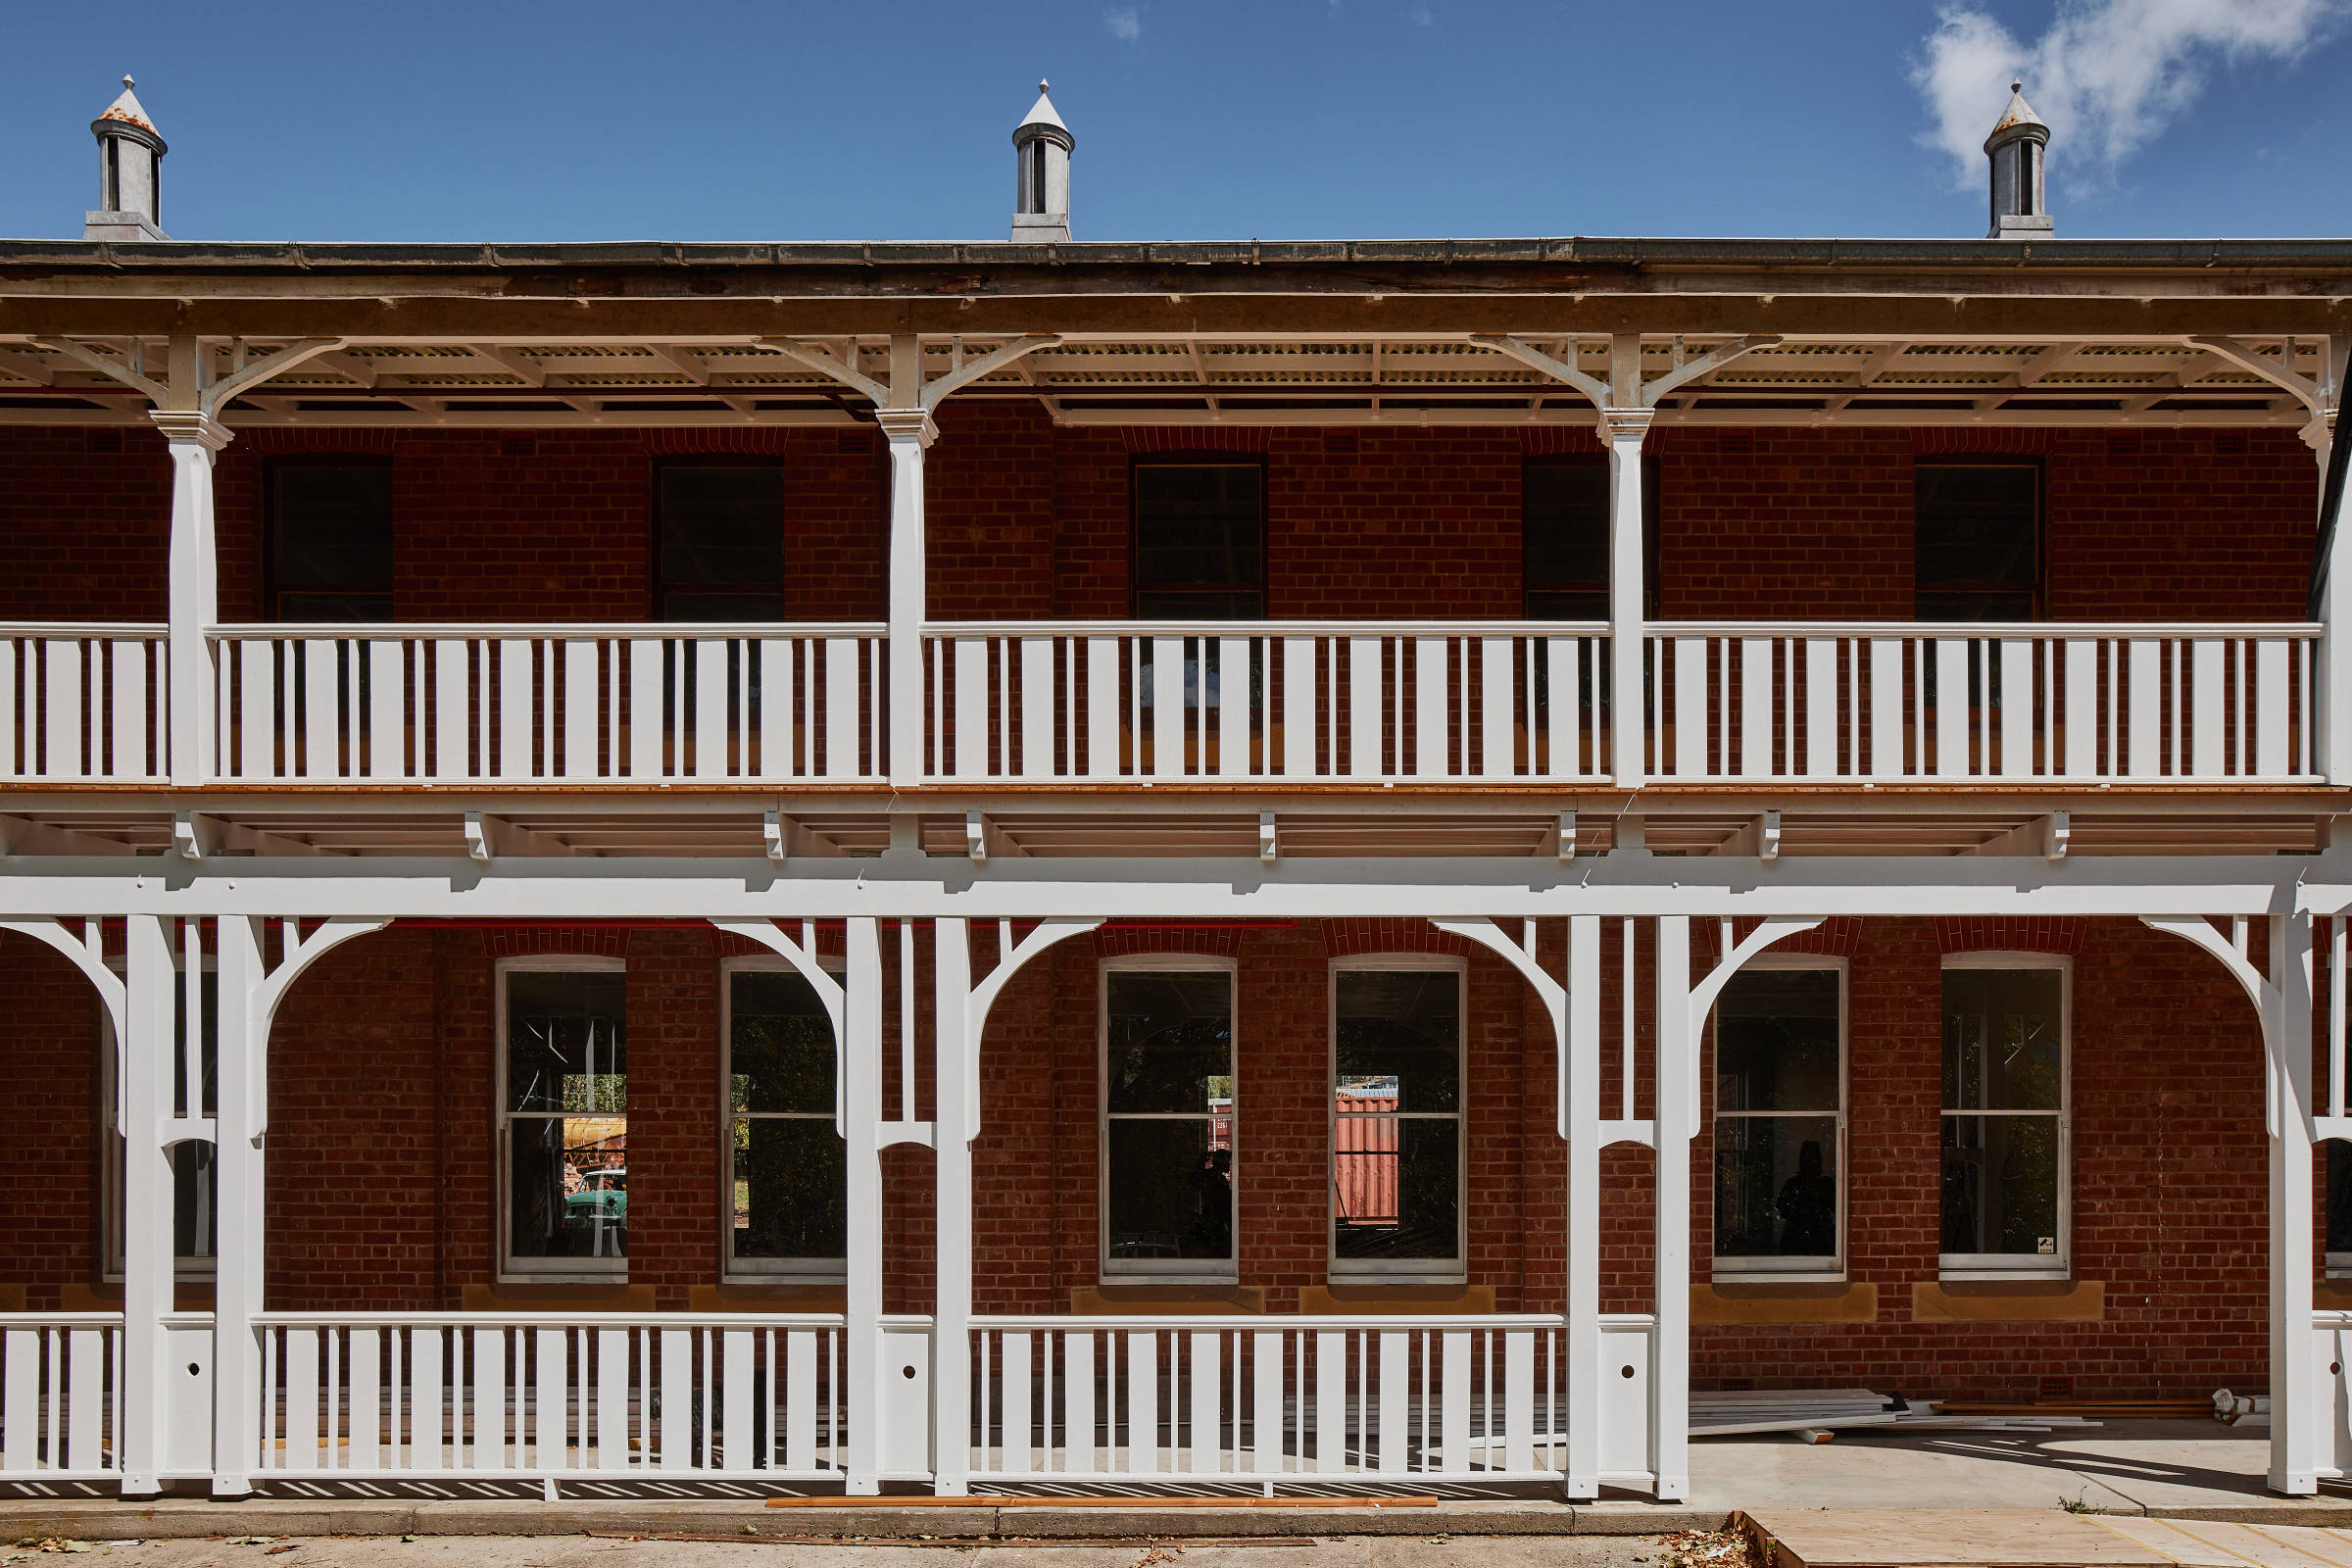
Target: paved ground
{"points": [[574, 1551]]}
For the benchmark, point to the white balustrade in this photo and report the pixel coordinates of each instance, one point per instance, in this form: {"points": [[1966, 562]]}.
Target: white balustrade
{"points": [[411, 1393], [1270, 1399], [629, 703], [82, 703], [1397, 702], [1903, 701], [58, 1376]]}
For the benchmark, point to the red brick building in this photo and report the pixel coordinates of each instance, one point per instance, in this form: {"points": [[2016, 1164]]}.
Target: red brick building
{"points": [[908, 864]]}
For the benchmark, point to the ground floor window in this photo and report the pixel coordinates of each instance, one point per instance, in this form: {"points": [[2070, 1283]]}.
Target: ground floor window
{"points": [[564, 1114], [1397, 1118], [2005, 1122], [1780, 1118], [786, 1162], [1169, 1116]]}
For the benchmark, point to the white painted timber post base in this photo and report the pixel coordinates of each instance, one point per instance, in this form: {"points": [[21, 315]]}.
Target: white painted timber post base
{"points": [[238, 1165], [195, 597], [1623, 430], [909, 430]]}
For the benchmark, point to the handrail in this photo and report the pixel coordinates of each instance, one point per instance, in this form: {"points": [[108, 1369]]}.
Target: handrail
{"points": [[1467, 627], [85, 629], [684, 630], [1264, 1322], [60, 1321], [547, 1320], [1973, 630]]}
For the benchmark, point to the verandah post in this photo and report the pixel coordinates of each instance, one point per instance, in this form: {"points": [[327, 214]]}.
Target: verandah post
{"points": [[861, 1100], [143, 1400], [2294, 1459], [1579, 1059], [195, 573], [237, 1164], [909, 427], [957, 1121], [2331, 755], [1677, 1068], [1624, 426]]}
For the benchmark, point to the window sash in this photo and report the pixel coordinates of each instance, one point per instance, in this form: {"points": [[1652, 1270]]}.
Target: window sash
{"points": [[809, 1270], [2024, 1265], [1165, 1270], [510, 1266], [1812, 1266], [1452, 1269]]}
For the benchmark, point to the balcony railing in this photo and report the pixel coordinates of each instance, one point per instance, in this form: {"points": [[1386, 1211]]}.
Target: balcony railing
{"points": [[1809, 703], [1425, 704], [1241, 702], [531, 705]]}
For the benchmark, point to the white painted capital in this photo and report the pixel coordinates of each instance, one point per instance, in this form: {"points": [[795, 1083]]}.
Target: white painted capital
{"points": [[181, 427], [907, 424], [1625, 426]]}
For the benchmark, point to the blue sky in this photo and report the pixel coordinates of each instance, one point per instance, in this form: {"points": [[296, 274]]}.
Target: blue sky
{"points": [[1196, 119]]}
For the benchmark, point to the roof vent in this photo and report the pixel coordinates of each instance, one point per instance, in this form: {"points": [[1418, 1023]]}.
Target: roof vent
{"points": [[130, 159], [2019, 148], [1042, 145]]}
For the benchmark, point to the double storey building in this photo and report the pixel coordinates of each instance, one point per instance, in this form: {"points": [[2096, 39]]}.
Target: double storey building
{"points": [[1233, 865]]}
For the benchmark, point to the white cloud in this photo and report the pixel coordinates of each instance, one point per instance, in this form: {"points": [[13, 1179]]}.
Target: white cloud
{"points": [[2109, 75], [1420, 14], [1126, 23]]}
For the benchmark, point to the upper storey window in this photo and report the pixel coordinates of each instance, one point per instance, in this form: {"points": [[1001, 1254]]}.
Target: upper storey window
{"points": [[1564, 535], [1976, 541], [718, 541], [1199, 542], [330, 540]]}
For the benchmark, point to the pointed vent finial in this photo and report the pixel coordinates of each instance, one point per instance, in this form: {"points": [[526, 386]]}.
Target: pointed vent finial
{"points": [[1042, 147], [2019, 150], [131, 156]]}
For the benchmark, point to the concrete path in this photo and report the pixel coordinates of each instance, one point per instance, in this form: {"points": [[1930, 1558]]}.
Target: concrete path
{"points": [[2009, 1538]]}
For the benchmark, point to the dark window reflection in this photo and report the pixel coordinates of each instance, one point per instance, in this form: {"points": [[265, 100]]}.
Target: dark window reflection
{"points": [[720, 541], [790, 1187], [1396, 1115], [2003, 1091], [1777, 1093], [1976, 541], [1168, 1095], [330, 540], [1199, 540]]}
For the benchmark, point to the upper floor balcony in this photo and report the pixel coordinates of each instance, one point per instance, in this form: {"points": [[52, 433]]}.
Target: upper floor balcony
{"points": [[1509, 705]]}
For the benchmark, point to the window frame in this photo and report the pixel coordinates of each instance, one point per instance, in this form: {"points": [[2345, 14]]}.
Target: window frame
{"points": [[1528, 587], [511, 1270], [1755, 1271], [1959, 1266], [187, 1268], [1397, 1270], [1186, 1270], [273, 522], [658, 586], [2040, 592], [762, 1270], [1140, 461]]}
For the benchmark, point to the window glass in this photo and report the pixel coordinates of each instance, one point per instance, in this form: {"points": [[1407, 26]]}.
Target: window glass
{"points": [[1564, 533], [1168, 1098], [789, 1188], [1976, 541], [1199, 540], [719, 536], [2004, 1094], [1396, 1101], [1779, 1111], [567, 1114], [330, 540]]}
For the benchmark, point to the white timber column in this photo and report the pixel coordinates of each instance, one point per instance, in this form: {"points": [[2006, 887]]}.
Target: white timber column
{"points": [[2294, 1438], [907, 424], [195, 595], [143, 1405], [1624, 425], [237, 1164], [1677, 1125], [1580, 1060], [861, 1105], [2334, 754], [957, 1122]]}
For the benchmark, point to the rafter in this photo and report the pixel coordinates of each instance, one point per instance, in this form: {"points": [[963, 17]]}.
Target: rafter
{"points": [[533, 374]]}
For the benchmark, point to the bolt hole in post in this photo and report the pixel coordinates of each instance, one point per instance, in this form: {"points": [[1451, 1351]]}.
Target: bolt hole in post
{"points": [[1625, 1371], [907, 1372]]}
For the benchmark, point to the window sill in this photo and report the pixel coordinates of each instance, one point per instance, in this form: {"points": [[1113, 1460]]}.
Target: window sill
{"points": [[2008, 1300], [769, 1295], [1118, 1297], [588, 1296], [1736, 1302], [1399, 1296]]}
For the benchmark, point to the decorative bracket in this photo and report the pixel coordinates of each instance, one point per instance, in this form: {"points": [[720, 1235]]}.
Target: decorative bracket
{"points": [[299, 954], [1012, 956], [802, 956]]}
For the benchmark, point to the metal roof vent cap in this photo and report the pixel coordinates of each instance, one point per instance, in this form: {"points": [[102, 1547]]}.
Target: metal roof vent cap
{"points": [[2019, 148], [1042, 146], [130, 160]]}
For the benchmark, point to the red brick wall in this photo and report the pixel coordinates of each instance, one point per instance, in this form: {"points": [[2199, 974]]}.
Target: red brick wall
{"points": [[1028, 521], [381, 1185]]}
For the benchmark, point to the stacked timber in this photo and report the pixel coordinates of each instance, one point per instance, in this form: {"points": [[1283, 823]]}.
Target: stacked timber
{"points": [[1820, 1411]]}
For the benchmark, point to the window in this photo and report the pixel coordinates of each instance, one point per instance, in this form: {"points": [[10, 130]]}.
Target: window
{"points": [[195, 1181], [1397, 1118], [565, 1113], [1976, 541], [2005, 1132], [787, 1165], [1168, 1114], [1564, 537], [1200, 540], [718, 541], [1780, 1119], [331, 539]]}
